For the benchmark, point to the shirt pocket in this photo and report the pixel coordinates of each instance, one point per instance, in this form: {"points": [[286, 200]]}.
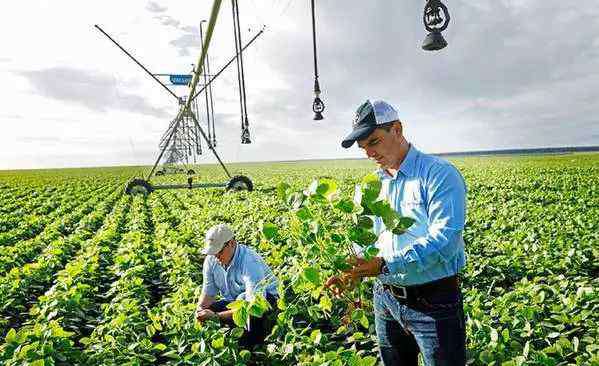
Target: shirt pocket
{"points": [[412, 207]]}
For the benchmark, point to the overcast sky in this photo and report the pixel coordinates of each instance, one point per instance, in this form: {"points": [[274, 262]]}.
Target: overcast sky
{"points": [[516, 74]]}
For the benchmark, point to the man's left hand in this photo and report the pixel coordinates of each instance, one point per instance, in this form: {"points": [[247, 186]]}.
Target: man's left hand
{"points": [[348, 280], [365, 268]]}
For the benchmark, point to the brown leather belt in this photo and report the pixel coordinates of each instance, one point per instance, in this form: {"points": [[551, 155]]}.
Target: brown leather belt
{"points": [[442, 286]]}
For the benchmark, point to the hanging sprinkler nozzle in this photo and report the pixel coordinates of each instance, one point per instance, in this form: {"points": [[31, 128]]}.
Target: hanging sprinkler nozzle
{"points": [[318, 105], [245, 136], [436, 19]]}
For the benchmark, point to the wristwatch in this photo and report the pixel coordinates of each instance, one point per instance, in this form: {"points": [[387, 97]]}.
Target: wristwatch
{"points": [[384, 268]]}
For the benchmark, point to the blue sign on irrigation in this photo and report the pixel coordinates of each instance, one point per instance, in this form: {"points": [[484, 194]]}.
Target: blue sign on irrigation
{"points": [[180, 79]]}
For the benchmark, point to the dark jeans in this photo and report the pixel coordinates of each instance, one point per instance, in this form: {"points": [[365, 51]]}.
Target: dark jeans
{"points": [[433, 325], [259, 327]]}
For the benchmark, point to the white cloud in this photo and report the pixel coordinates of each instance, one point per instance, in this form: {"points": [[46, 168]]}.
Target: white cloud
{"points": [[511, 77]]}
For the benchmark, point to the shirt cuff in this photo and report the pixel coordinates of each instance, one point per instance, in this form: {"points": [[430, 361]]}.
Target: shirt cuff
{"points": [[395, 264]]}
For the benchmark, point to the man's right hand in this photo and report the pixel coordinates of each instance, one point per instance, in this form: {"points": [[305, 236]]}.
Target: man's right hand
{"points": [[205, 314]]}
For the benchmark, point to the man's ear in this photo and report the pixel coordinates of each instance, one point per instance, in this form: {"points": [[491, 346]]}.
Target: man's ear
{"points": [[397, 128]]}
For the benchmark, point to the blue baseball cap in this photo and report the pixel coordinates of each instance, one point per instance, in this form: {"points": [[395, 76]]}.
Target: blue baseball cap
{"points": [[369, 116]]}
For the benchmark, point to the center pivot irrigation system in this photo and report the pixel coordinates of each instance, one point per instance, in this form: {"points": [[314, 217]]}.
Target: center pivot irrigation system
{"points": [[182, 141]]}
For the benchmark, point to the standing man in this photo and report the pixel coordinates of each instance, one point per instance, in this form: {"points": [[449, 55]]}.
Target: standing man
{"points": [[234, 271], [417, 298]]}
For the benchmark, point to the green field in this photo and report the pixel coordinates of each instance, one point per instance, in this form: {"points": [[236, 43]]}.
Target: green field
{"points": [[91, 276]]}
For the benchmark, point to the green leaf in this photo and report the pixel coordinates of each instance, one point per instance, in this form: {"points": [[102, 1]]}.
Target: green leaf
{"points": [[282, 189], [256, 310], [364, 321], [269, 230], [316, 336], [380, 208], [365, 222], [403, 225], [327, 188], [486, 357], [304, 214], [150, 330], [368, 361], [326, 303], [371, 187], [237, 332], [245, 355], [11, 336], [218, 342], [237, 304], [357, 314], [240, 317], [345, 205], [370, 252], [312, 275], [340, 263], [160, 346], [362, 236], [337, 238], [39, 362]]}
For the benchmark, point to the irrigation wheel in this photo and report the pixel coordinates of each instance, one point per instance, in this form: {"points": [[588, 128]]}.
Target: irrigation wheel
{"points": [[240, 183], [137, 186]]}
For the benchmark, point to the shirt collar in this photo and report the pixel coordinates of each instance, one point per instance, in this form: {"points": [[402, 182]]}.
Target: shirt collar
{"points": [[407, 166]]}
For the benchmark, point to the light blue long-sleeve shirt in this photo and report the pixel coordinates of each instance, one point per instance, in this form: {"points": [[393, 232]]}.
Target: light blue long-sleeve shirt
{"points": [[246, 274], [433, 192]]}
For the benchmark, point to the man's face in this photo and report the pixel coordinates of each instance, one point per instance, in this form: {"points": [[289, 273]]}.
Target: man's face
{"points": [[223, 254], [382, 146]]}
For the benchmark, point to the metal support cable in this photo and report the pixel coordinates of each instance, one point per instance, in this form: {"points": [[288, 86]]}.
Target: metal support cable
{"points": [[137, 62], [241, 62], [228, 63], [211, 101], [205, 74], [314, 42], [236, 38]]}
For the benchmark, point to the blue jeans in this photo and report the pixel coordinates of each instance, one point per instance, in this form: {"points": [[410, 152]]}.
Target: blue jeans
{"points": [[433, 325]]}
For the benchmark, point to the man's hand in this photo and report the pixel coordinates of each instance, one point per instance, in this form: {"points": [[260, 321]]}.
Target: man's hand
{"points": [[366, 268], [205, 314], [348, 280], [339, 284]]}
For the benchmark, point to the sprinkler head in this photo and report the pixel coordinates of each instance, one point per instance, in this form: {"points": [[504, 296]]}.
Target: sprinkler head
{"points": [[435, 19], [434, 41]]}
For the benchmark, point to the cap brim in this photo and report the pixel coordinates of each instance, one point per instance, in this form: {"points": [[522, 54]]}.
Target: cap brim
{"points": [[209, 251], [206, 251], [357, 134]]}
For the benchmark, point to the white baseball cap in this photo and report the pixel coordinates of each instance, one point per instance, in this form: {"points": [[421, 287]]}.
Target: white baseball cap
{"points": [[369, 116], [216, 237]]}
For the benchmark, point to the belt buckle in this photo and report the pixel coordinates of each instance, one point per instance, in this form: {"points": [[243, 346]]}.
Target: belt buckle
{"points": [[403, 295]]}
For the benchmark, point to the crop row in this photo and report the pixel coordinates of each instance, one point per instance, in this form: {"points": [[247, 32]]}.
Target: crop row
{"points": [[34, 224], [121, 336], [61, 223], [21, 285], [69, 309]]}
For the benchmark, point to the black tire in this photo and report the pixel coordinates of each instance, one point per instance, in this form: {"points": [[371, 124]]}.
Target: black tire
{"points": [[138, 185], [191, 172], [240, 183]]}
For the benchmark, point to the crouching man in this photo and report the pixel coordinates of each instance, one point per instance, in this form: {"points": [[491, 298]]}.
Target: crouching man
{"points": [[234, 271]]}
